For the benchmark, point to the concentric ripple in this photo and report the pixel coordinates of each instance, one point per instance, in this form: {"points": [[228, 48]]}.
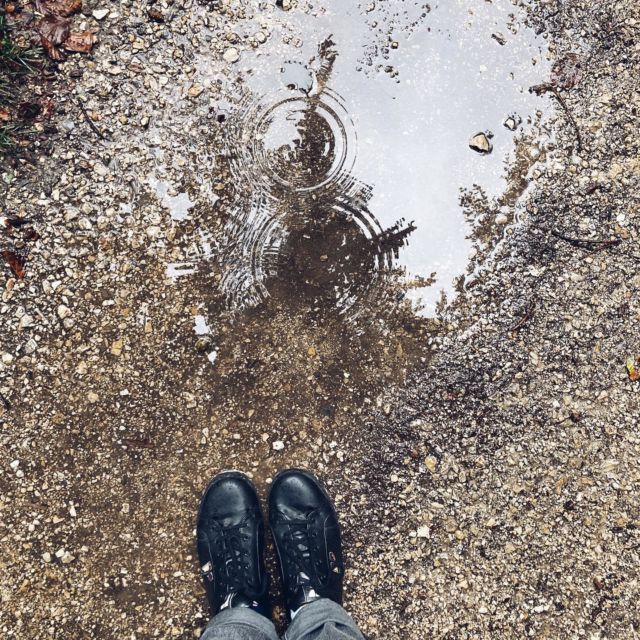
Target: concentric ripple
{"points": [[292, 141], [301, 231]]}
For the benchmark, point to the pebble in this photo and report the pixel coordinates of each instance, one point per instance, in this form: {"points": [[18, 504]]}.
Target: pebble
{"points": [[25, 321], [231, 55], [481, 143], [501, 218], [513, 122], [63, 311], [100, 14], [278, 445]]}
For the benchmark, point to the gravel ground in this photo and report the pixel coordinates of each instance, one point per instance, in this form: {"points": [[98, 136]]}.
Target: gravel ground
{"points": [[484, 463]]}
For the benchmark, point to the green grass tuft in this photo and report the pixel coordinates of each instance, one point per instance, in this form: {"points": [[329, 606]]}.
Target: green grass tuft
{"points": [[16, 62]]}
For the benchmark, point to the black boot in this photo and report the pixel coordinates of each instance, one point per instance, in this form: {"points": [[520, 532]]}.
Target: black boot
{"points": [[230, 537], [307, 537]]}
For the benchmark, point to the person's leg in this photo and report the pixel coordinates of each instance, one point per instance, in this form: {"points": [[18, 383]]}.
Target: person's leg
{"points": [[323, 620], [230, 539], [240, 623], [307, 538]]}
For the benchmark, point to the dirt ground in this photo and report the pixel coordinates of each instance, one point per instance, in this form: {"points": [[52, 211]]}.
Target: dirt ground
{"points": [[485, 463]]}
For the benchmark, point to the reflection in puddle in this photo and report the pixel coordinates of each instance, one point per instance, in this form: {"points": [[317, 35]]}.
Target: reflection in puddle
{"points": [[351, 143], [178, 204], [302, 225]]}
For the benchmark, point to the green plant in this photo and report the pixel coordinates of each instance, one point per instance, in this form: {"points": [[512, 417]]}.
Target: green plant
{"points": [[16, 61]]}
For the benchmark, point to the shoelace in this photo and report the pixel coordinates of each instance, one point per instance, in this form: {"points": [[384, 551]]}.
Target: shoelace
{"points": [[233, 555], [301, 541]]}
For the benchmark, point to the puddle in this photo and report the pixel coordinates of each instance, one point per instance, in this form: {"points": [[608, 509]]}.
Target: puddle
{"points": [[177, 203], [347, 135]]}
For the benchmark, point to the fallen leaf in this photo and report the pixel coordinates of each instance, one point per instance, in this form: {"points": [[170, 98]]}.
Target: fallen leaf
{"points": [[567, 72], [48, 107], [59, 7], [80, 41], [53, 32], [632, 370], [55, 29], [5, 116], [14, 261]]}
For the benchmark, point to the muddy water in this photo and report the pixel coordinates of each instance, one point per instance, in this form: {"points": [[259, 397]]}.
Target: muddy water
{"points": [[314, 194], [349, 145]]}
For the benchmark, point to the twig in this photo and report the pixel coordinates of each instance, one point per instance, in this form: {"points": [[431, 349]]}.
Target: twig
{"points": [[588, 245], [91, 123], [546, 87], [528, 314], [5, 403]]}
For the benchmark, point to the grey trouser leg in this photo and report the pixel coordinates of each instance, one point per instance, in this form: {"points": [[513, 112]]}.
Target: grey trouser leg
{"points": [[240, 623], [323, 620]]}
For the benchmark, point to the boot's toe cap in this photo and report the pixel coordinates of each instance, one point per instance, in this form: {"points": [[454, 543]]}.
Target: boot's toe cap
{"points": [[228, 498], [295, 493]]}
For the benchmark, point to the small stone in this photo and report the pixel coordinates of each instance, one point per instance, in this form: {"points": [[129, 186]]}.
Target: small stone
{"points": [[260, 37], [31, 347], [431, 463], [278, 445], [512, 122], [156, 15], [93, 397], [312, 352], [116, 347], [196, 90], [231, 55], [501, 218], [450, 525], [203, 344], [67, 558], [285, 5], [481, 143], [100, 169], [499, 38], [25, 321], [63, 312], [423, 532], [100, 14], [46, 556]]}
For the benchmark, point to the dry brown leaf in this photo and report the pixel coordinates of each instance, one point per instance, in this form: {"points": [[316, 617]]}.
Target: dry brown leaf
{"points": [[5, 116], [53, 32], [51, 50], [80, 41], [15, 261], [632, 370], [59, 7], [55, 29]]}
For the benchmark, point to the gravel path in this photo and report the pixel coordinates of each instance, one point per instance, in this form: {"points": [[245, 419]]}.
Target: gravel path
{"points": [[485, 463]]}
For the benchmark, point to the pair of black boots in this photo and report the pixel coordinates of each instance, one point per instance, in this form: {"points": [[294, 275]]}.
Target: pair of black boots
{"points": [[230, 536]]}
